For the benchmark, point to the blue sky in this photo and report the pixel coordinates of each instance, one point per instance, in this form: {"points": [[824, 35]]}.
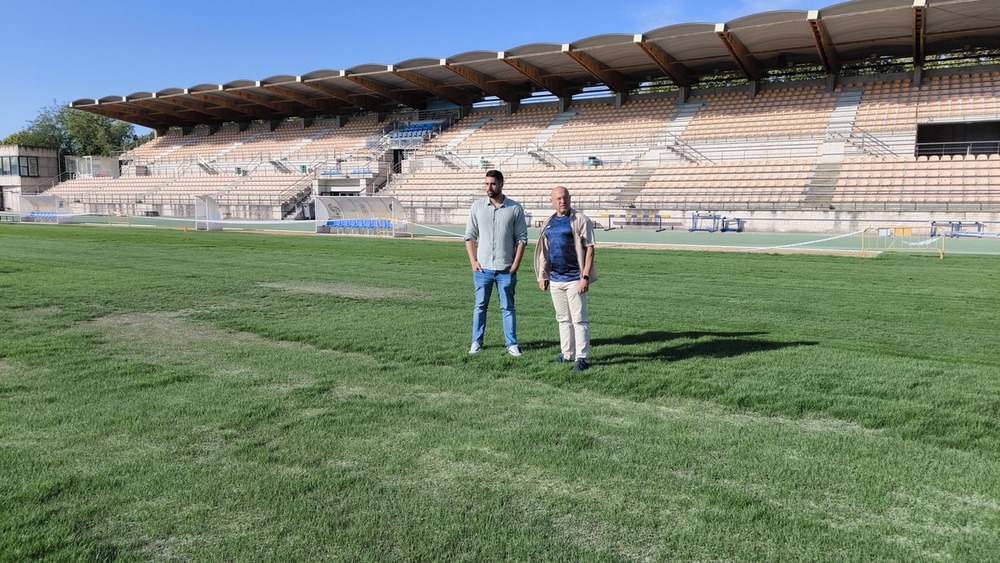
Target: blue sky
{"points": [[58, 51]]}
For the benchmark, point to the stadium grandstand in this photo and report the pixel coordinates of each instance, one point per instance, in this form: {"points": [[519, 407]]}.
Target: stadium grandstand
{"points": [[822, 120]]}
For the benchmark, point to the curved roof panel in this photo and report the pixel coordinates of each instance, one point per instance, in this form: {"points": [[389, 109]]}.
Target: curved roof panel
{"points": [[278, 79], [604, 40], [684, 53], [367, 68]]}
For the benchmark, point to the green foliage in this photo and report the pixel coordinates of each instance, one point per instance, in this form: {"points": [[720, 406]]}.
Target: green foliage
{"points": [[46, 130], [233, 397], [75, 132], [96, 135], [963, 58]]}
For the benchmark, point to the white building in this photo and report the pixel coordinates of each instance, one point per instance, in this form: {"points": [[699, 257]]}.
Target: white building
{"points": [[25, 170]]}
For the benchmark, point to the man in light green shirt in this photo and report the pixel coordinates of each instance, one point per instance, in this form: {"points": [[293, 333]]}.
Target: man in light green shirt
{"points": [[495, 237]]}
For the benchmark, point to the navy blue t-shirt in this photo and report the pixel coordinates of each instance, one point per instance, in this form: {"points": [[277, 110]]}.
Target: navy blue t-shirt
{"points": [[564, 267]]}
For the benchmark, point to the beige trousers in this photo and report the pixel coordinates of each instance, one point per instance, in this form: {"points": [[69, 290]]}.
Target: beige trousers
{"points": [[571, 314]]}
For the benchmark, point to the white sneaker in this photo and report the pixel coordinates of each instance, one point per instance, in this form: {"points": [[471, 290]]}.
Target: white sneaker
{"points": [[514, 351], [476, 347]]}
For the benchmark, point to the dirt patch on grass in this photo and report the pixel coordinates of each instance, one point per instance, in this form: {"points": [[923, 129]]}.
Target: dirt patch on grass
{"points": [[169, 339], [169, 330], [345, 290], [7, 368]]}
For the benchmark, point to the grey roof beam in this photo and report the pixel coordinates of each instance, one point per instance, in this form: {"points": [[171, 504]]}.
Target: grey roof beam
{"points": [[674, 69], [551, 84], [403, 98], [453, 95], [748, 64], [247, 110], [199, 106], [157, 107], [487, 83], [260, 99], [828, 56], [123, 113], [604, 74], [322, 105], [363, 101], [919, 31]]}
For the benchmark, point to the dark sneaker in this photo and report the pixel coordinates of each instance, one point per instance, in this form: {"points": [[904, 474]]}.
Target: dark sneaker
{"points": [[561, 360], [581, 364]]}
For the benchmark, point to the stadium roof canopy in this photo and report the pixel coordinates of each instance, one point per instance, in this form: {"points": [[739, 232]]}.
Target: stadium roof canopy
{"points": [[750, 46]]}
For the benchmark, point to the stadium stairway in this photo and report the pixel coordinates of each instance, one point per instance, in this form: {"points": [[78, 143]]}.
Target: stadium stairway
{"points": [[446, 152], [670, 136], [635, 183], [542, 155], [819, 189]]}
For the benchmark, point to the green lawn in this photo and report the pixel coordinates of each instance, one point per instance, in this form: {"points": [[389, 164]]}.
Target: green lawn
{"points": [[246, 397]]}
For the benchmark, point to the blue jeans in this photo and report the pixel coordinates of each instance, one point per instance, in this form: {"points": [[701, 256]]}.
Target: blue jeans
{"points": [[505, 282]]}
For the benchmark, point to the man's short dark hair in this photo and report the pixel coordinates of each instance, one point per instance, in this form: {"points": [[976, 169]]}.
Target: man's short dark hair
{"points": [[495, 174]]}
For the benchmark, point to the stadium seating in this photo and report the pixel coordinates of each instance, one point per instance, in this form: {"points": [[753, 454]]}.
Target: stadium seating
{"points": [[790, 147], [790, 112]]}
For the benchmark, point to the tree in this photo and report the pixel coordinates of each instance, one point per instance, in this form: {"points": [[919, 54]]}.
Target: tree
{"points": [[75, 132], [96, 135], [46, 130]]}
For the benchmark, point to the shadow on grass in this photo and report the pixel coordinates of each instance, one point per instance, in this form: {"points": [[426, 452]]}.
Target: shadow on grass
{"points": [[717, 345], [664, 336], [714, 345]]}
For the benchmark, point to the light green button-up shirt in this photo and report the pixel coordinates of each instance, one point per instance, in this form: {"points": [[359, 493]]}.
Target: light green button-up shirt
{"points": [[497, 230]]}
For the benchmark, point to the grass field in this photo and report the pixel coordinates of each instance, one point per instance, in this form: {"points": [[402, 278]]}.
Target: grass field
{"points": [[228, 396]]}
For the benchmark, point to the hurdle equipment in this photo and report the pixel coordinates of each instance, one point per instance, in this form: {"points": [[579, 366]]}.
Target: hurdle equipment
{"points": [[634, 220], [903, 239], [732, 225], [956, 229], [705, 222], [119, 219]]}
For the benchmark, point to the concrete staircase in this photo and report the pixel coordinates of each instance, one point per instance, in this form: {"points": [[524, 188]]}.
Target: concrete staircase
{"points": [[447, 153], [819, 189], [625, 198], [670, 136]]}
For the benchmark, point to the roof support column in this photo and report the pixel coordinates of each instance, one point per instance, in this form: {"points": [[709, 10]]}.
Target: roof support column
{"points": [[683, 93]]}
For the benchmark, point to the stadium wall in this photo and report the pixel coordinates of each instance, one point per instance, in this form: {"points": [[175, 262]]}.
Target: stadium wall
{"points": [[819, 222]]}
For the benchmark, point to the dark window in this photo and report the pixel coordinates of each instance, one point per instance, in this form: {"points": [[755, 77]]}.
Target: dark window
{"points": [[982, 137]]}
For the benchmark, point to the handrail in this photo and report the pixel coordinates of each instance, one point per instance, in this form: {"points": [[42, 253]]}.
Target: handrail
{"points": [[686, 147], [964, 148], [61, 177], [868, 139], [533, 146]]}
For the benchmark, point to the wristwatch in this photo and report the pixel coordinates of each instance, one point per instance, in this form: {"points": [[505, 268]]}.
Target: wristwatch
{"points": [[586, 278]]}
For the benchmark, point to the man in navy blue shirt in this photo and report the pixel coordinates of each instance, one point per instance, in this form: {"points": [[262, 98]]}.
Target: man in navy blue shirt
{"points": [[564, 265]]}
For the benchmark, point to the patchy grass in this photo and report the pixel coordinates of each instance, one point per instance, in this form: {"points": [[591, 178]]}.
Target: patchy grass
{"points": [[235, 396]]}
